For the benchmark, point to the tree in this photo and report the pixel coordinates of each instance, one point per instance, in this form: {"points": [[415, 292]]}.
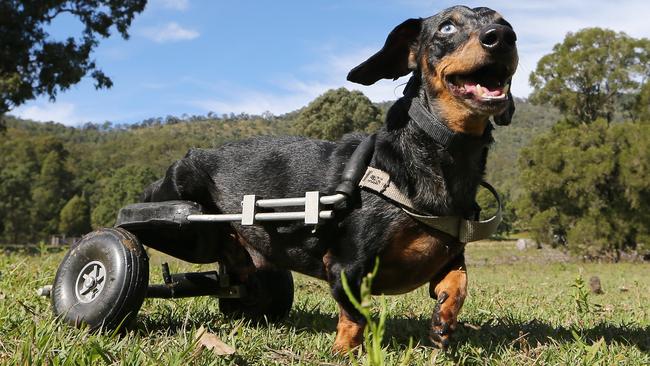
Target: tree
{"points": [[33, 64], [588, 186], [15, 202], [337, 112], [50, 192], [74, 219], [587, 74], [124, 186], [19, 167]]}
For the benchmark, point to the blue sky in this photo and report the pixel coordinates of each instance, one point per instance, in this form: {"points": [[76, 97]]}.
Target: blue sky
{"points": [[200, 56]]}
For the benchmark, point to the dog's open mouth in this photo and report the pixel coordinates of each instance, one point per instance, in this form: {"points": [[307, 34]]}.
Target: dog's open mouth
{"points": [[489, 83]]}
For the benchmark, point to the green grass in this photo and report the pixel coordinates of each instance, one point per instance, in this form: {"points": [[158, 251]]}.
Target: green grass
{"points": [[523, 308]]}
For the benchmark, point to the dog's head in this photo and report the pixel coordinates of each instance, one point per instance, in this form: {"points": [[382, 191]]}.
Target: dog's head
{"points": [[466, 57]]}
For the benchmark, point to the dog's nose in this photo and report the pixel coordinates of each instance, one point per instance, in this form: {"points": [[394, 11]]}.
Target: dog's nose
{"points": [[497, 37]]}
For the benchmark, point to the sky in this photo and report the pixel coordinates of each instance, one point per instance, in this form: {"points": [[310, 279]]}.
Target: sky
{"points": [[189, 57]]}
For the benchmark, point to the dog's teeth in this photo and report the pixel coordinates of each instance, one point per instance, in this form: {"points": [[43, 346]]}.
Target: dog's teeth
{"points": [[479, 90], [506, 88], [492, 97]]}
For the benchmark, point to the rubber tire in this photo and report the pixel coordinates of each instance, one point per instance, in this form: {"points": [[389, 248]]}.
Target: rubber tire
{"points": [[127, 275], [269, 295]]}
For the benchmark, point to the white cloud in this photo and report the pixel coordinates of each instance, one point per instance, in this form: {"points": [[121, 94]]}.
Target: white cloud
{"points": [[338, 67], [253, 103], [170, 32], [295, 93], [174, 4], [64, 113]]}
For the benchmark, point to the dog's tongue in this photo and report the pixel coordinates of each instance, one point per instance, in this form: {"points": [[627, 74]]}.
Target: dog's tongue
{"points": [[481, 91]]}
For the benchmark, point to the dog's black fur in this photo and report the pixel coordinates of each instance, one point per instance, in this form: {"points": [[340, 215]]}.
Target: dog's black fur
{"points": [[439, 181]]}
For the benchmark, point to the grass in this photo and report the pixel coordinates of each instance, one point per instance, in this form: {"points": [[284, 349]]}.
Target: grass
{"points": [[524, 307]]}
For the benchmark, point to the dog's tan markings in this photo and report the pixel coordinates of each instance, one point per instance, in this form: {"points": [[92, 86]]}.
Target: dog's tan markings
{"points": [[450, 289], [240, 257], [349, 334], [468, 58], [458, 116], [327, 261], [456, 17], [411, 259], [464, 59], [412, 60]]}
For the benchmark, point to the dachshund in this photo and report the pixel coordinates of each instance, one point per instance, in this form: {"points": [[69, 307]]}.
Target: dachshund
{"points": [[461, 62]]}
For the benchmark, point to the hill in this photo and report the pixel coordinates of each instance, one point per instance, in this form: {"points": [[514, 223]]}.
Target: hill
{"points": [[93, 154]]}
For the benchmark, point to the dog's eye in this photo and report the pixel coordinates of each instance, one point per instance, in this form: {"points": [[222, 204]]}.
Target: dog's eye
{"points": [[448, 28]]}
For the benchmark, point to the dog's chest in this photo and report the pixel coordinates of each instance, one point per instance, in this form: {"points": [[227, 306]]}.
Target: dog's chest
{"points": [[412, 258]]}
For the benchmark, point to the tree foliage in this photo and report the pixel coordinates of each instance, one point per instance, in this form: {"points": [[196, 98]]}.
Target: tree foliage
{"points": [[89, 157], [589, 73], [33, 64], [585, 184], [588, 186], [122, 187], [50, 191], [642, 103], [15, 202], [337, 112], [74, 219]]}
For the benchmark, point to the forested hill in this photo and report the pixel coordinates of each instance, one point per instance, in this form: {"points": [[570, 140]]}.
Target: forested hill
{"points": [[57, 179], [529, 121]]}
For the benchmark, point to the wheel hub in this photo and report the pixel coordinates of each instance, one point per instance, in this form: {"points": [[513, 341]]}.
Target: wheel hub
{"points": [[90, 281]]}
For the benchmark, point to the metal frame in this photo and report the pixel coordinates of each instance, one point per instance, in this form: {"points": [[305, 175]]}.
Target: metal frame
{"points": [[217, 283], [191, 284], [311, 215]]}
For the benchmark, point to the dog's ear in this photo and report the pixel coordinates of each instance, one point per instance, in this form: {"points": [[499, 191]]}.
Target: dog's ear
{"points": [[505, 118], [394, 60]]}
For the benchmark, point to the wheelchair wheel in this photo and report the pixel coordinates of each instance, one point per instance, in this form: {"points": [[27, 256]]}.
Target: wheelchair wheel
{"points": [[102, 281], [269, 295]]}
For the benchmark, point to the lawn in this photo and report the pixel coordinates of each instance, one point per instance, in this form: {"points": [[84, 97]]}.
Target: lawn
{"points": [[524, 307]]}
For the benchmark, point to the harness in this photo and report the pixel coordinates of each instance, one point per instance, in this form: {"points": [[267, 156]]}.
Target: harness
{"points": [[380, 183], [465, 230]]}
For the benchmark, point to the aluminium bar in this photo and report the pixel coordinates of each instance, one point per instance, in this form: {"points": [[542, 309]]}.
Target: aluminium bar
{"points": [[214, 218], [298, 201], [262, 216], [333, 199], [281, 202], [282, 216]]}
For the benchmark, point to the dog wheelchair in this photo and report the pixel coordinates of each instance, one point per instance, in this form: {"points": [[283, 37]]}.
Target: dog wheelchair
{"points": [[104, 278]]}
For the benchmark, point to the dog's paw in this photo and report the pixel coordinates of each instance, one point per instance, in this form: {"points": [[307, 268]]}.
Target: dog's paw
{"points": [[441, 327], [439, 336], [349, 336], [342, 347]]}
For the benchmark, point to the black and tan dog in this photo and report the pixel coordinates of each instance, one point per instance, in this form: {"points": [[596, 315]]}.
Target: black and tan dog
{"points": [[462, 61]]}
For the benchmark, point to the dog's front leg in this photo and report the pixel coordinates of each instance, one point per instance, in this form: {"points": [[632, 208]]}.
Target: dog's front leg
{"points": [[349, 330], [449, 289]]}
